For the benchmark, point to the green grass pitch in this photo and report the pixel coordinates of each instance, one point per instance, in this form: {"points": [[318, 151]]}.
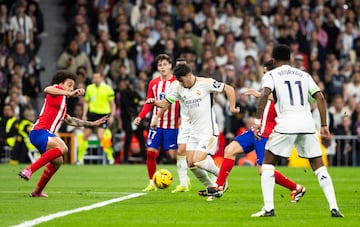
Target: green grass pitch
{"points": [[78, 186]]}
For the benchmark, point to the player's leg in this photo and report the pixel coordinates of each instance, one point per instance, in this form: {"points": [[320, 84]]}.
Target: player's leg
{"points": [[50, 147], [279, 145], [310, 148], [153, 142], [228, 163], [49, 171], [199, 173], [297, 191], [206, 146], [181, 165]]}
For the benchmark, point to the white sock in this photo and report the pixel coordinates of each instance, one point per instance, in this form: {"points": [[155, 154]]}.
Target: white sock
{"points": [[202, 176], [208, 164], [327, 186], [267, 186], [181, 164]]}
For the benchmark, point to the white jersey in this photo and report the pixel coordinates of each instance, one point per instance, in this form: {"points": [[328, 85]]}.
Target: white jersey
{"points": [[197, 102], [291, 87]]}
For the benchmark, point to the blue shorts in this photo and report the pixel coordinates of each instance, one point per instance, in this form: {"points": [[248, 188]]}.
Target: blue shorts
{"points": [[249, 143], [39, 138], [166, 138]]}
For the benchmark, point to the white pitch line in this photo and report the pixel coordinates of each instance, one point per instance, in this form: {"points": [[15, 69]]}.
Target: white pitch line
{"points": [[77, 210]]}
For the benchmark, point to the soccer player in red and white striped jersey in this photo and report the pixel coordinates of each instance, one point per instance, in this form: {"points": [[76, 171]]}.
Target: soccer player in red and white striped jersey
{"points": [[165, 134], [43, 133]]}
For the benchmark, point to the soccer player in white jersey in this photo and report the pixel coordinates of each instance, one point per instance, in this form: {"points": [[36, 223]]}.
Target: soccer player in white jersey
{"points": [[194, 94], [182, 138], [294, 126]]}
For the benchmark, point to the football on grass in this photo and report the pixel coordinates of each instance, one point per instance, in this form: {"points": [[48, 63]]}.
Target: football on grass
{"points": [[163, 178]]}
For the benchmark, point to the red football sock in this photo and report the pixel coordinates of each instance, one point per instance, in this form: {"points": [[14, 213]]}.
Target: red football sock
{"points": [[49, 171], [151, 163], [225, 169], [284, 181], [48, 156]]}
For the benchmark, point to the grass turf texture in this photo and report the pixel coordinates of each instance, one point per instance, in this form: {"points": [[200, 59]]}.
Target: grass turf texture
{"points": [[77, 186]]}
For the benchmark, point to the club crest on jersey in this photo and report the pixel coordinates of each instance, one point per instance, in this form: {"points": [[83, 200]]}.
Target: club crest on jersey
{"points": [[216, 84], [198, 92], [162, 96]]}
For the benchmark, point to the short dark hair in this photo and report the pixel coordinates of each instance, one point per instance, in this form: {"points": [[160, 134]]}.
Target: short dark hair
{"points": [[180, 59], [181, 70], [161, 57], [281, 53], [63, 75], [269, 64]]}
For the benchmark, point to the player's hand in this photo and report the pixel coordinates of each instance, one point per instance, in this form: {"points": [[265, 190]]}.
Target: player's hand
{"points": [[234, 110], [78, 92], [256, 131], [154, 122], [325, 133], [137, 121], [150, 101], [101, 121]]}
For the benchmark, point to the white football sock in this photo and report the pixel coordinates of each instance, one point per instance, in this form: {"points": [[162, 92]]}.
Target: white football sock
{"points": [[181, 164], [327, 186], [267, 186], [208, 164], [202, 176]]}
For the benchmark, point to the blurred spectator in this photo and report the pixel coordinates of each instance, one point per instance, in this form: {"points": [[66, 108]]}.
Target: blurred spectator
{"points": [[4, 23], [344, 148], [129, 103], [23, 145], [72, 57], [352, 89], [144, 58], [8, 127], [21, 23], [101, 57], [338, 109], [210, 70]]}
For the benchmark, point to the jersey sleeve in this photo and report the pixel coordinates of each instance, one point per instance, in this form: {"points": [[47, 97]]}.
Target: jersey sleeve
{"points": [[172, 94], [215, 86], [313, 87], [268, 81]]}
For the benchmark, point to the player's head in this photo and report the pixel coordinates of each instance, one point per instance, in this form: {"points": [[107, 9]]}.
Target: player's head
{"points": [[163, 63], [281, 53], [183, 74], [180, 61], [65, 78]]}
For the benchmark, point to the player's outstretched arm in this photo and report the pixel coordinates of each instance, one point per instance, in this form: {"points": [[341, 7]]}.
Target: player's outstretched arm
{"points": [[81, 123], [230, 94], [51, 90]]}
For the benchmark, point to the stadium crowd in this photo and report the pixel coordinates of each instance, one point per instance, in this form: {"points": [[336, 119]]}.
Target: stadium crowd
{"points": [[225, 40]]}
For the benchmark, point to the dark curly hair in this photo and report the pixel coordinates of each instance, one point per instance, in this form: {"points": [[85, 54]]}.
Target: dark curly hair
{"points": [[61, 76]]}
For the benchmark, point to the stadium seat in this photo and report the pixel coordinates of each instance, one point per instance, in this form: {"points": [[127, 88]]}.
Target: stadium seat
{"points": [[94, 154]]}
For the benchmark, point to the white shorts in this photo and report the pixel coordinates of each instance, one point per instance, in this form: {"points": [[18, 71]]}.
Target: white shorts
{"points": [[183, 135], [203, 143], [307, 145]]}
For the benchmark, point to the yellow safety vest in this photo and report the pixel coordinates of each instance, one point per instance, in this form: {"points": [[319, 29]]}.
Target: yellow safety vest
{"points": [[9, 124], [23, 130]]}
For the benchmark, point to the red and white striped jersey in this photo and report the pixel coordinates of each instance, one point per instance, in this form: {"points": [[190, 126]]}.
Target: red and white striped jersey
{"points": [[268, 119], [157, 89], [52, 112]]}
